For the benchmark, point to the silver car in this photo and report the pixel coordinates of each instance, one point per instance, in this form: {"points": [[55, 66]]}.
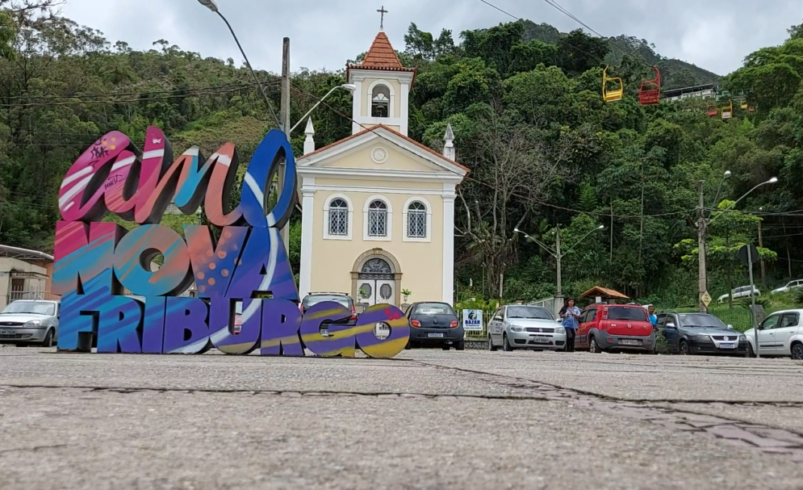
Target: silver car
{"points": [[525, 327], [26, 322]]}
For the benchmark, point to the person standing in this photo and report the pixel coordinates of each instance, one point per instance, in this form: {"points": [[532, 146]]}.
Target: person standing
{"points": [[653, 317], [571, 317]]}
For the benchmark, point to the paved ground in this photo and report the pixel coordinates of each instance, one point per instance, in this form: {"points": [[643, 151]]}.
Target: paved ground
{"points": [[427, 419]]}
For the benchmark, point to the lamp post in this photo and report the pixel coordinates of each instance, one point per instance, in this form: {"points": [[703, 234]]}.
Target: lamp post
{"points": [[346, 86], [702, 274], [211, 5], [761, 245], [557, 251], [702, 228]]}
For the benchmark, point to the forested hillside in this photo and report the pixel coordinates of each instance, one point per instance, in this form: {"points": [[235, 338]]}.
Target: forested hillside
{"points": [[675, 73], [544, 148]]}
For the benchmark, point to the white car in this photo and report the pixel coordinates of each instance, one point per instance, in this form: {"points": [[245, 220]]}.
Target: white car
{"points": [[780, 334], [26, 322], [792, 285], [525, 327], [740, 292]]}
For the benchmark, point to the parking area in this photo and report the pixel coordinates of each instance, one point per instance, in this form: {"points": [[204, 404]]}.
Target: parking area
{"points": [[427, 418]]}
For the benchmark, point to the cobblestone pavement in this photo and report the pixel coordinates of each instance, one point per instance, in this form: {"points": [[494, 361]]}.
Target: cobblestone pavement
{"points": [[426, 419]]}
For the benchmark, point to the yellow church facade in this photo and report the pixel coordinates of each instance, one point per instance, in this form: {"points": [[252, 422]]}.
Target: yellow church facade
{"points": [[379, 207]]}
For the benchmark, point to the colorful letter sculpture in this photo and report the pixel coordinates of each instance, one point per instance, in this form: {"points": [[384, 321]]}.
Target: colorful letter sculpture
{"points": [[241, 259]]}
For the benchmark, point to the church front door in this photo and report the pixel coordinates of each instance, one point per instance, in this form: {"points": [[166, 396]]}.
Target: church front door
{"points": [[376, 283]]}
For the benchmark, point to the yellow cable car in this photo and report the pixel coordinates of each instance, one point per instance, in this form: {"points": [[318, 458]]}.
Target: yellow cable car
{"points": [[615, 94], [744, 105], [727, 111]]}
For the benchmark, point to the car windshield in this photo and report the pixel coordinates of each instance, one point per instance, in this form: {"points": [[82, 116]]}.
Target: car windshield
{"points": [[34, 307], [528, 312], [625, 313], [434, 309], [699, 320], [312, 300]]}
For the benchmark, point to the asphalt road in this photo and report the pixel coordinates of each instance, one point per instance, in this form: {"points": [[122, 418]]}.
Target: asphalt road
{"points": [[426, 419]]}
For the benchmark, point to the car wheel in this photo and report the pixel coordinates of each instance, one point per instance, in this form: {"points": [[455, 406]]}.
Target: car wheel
{"points": [[750, 352], [593, 347], [48, 342], [491, 346], [460, 345], [409, 345], [797, 352], [684, 348], [507, 346]]}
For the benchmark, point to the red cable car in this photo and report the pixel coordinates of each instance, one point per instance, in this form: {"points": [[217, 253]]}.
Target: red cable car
{"points": [[649, 91], [712, 111]]}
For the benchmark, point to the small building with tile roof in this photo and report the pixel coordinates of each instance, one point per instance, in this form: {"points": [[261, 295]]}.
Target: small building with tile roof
{"points": [[378, 206]]}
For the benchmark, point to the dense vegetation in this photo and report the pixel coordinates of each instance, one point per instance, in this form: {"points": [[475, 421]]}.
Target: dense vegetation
{"points": [[524, 101]]}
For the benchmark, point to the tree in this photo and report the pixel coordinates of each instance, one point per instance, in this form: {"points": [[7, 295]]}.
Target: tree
{"points": [[579, 52], [506, 157], [729, 231]]}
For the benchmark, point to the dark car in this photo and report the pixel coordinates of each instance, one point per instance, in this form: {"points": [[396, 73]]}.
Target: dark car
{"points": [[700, 333], [434, 324], [313, 299]]}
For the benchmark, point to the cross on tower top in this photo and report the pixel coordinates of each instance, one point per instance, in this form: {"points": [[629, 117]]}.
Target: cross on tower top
{"points": [[382, 13]]}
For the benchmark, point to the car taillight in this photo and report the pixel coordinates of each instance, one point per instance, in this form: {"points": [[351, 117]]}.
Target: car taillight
{"points": [[415, 323], [301, 308], [353, 313], [453, 324]]}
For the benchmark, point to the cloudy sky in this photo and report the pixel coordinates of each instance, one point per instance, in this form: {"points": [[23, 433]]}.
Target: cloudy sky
{"points": [[713, 34]]}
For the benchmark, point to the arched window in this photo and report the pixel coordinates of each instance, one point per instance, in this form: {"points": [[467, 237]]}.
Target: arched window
{"points": [[377, 219], [417, 220], [380, 101], [338, 218]]}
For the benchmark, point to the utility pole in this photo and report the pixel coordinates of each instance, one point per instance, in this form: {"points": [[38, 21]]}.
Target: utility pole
{"points": [[702, 286], [285, 120], [558, 256], [610, 262], [761, 245]]}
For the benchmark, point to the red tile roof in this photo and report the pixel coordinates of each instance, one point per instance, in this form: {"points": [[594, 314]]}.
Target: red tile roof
{"points": [[393, 131], [604, 292], [381, 56]]}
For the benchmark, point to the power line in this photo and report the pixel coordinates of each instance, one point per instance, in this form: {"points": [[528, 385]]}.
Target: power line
{"points": [[554, 4], [522, 19], [579, 211]]}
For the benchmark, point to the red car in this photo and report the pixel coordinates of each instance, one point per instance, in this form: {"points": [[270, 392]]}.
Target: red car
{"points": [[606, 327]]}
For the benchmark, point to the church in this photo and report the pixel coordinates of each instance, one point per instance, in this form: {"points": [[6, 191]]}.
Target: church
{"points": [[379, 207]]}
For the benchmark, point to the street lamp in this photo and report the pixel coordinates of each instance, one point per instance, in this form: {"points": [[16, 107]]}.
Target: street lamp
{"points": [[773, 180], [211, 5], [702, 228], [346, 86], [557, 253]]}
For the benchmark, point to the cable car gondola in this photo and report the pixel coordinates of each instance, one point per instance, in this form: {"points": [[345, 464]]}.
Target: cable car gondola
{"points": [[727, 111], [649, 91], [615, 94]]}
